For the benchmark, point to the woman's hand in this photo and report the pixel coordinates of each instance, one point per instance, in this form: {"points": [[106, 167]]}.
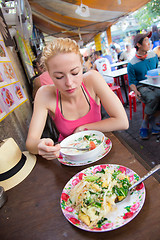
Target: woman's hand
{"points": [[47, 149], [80, 129]]}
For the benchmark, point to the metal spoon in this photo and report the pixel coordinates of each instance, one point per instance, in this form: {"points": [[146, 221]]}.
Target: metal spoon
{"points": [[75, 148], [79, 149], [152, 171]]}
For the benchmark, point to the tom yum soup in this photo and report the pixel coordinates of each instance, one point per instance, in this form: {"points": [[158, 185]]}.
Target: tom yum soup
{"points": [[90, 141]]}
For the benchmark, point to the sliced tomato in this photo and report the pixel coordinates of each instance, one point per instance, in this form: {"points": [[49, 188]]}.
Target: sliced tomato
{"points": [[92, 145]]}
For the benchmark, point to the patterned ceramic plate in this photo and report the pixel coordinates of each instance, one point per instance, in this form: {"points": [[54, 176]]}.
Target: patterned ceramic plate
{"points": [[124, 212], [104, 151]]}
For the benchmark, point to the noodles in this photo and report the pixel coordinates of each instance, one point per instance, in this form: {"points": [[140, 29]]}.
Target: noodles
{"points": [[95, 195]]}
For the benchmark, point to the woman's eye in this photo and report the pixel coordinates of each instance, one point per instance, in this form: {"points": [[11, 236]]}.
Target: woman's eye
{"points": [[74, 74], [59, 77]]}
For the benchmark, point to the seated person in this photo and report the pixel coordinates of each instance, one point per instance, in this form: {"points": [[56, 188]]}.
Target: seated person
{"points": [[119, 53], [128, 54], [42, 79], [73, 101], [87, 64], [143, 61], [157, 51], [102, 65], [38, 69]]}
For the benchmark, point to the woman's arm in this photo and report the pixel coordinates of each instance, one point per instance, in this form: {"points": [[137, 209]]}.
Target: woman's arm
{"points": [[44, 147], [118, 119]]}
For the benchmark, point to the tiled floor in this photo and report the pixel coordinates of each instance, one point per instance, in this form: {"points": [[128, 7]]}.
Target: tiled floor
{"points": [[148, 150]]}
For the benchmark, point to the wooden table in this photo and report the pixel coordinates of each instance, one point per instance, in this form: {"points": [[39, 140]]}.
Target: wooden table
{"points": [[117, 73], [33, 211]]}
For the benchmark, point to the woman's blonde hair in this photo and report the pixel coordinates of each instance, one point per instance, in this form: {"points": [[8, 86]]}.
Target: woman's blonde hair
{"points": [[60, 45]]}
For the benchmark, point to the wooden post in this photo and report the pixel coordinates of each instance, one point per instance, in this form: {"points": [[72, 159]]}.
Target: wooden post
{"points": [[97, 40], [109, 36]]}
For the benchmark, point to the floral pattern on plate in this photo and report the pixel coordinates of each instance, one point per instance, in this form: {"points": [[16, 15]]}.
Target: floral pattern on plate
{"points": [[124, 211], [105, 150]]}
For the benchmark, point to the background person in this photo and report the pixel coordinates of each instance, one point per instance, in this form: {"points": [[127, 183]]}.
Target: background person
{"points": [[155, 38], [119, 52], [143, 61], [87, 64], [73, 100], [43, 79], [157, 51], [102, 65], [128, 54], [38, 69]]}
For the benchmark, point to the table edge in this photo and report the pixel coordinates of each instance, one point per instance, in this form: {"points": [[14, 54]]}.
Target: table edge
{"points": [[131, 150]]}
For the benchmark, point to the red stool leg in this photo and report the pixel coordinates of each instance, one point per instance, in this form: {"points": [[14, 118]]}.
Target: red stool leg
{"points": [[126, 79], [115, 81], [119, 81], [130, 107], [129, 88], [143, 107], [120, 95], [134, 104]]}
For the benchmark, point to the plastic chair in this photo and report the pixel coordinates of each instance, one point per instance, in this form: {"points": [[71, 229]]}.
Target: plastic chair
{"points": [[117, 89], [132, 98]]}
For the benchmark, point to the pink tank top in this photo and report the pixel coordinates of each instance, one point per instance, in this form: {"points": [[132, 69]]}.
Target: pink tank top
{"points": [[67, 127]]}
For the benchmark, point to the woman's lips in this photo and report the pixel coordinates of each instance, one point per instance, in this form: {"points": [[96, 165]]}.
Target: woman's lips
{"points": [[70, 90]]}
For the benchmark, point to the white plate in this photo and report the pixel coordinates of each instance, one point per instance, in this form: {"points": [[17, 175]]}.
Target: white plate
{"points": [[125, 211], [105, 149]]}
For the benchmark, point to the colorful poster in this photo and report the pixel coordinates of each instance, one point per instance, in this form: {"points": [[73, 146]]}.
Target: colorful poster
{"points": [[26, 56], [3, 53], [11, 91], [7, 73]]}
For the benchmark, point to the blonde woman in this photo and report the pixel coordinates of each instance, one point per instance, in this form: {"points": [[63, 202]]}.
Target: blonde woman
{"points": [[73, 101]]}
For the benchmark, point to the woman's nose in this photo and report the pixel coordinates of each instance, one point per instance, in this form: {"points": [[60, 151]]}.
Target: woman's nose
{"points": [[68, 81]]}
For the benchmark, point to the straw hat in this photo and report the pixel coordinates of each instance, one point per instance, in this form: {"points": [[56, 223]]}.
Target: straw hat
{"points": [[15, 166]]}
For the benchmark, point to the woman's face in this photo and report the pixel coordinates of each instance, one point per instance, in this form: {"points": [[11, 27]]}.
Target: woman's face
{"points": [[65, 70]]}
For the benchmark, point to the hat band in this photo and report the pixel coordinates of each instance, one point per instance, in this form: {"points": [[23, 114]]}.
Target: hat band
{"points": [[14, 170]]}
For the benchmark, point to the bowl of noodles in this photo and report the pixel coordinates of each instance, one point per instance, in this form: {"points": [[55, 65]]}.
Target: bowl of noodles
{"points": [[93, 141]]}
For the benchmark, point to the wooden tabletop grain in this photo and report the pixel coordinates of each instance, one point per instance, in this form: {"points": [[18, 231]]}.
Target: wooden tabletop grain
{"points": [[33, 211]]}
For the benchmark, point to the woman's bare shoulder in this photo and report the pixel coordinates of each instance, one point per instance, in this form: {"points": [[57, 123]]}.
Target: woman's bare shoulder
{"points": [[92, 78], [46, 93], [47, 89]]}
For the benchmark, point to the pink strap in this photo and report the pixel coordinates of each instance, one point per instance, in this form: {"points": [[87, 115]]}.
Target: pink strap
{"points": [[86, 90]]}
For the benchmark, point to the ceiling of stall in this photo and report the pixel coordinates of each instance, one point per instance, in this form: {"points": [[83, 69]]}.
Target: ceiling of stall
{"points": [[58, 17]]}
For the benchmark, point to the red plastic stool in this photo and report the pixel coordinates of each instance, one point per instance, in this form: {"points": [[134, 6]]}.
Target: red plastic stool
{"points": [[132, 97], [143, 107], [127, 81], [117, 89], [117, 81]]}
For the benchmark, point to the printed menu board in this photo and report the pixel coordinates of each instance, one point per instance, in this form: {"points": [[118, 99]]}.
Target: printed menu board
{"points": [[26, 54], [11, 91]]}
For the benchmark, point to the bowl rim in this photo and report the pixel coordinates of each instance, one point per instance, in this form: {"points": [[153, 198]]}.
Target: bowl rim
{"points": [[84, 133]]}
